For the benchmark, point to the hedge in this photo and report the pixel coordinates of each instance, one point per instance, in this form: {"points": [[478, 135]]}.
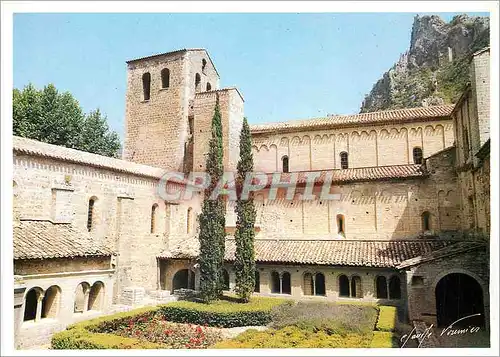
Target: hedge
{"points": [[84, 335], [384, 340], [222, 313], [89, 334], [387, 319]]}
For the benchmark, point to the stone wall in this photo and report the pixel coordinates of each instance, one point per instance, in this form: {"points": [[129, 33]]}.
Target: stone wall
{"points": [[122, 212], [231, 108], [371, 210], [423, 279], [157, 129], [366, 146]]}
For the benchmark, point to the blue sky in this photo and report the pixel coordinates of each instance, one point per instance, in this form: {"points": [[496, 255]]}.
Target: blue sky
{"points": [[288, 66]]}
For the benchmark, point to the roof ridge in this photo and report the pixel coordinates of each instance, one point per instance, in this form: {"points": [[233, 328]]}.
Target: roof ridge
{"points": [[39, 148]]}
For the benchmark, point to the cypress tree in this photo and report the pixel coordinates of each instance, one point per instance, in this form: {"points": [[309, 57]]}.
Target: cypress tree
{"points": [[245, 221], [212, 218]]}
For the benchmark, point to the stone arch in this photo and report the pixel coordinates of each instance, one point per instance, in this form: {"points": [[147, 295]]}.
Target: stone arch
{"points": [[394, 287], [381, 287], [183, 279], [96, 296], [51, 302], [459, 296], [81, 297], [286, 283], [319, 284], [91, 213], [275, 282], [31, 299], [146, 86], [165, 78], [344, 289]]}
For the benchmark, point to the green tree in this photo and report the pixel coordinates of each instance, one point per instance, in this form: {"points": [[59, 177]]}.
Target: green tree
{"points": [[212, 219], [57, 118], [245, 221]]}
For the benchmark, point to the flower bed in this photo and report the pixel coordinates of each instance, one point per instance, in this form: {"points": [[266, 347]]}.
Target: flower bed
{"points": [[155, 327]]}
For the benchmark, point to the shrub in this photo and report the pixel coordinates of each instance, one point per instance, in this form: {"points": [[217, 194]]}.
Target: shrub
{"points": [[295, 337], [331, 318], [222, 313], [384, 340], [130, 329], [387, 319]]}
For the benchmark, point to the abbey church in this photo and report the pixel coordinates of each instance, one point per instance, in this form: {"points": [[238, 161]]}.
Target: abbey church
{"points": [[411, 227]]}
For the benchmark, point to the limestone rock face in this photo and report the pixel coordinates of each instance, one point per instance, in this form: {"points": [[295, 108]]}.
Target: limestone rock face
{"points": [[434, 69]]}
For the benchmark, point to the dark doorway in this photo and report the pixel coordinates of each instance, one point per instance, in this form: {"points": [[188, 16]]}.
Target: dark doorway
{"points": [[320, 284], [286, 286], [30, 305], [457, 296], [183, 279]]}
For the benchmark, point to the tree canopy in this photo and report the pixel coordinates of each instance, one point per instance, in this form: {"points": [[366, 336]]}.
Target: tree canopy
{"points": [[56, 118]]}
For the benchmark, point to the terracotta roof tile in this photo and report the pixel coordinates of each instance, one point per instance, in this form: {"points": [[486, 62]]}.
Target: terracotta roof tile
{"points": [[380, 254], [447, 251], [356, 174], [44, 239], [34, 147], [337, 121]]}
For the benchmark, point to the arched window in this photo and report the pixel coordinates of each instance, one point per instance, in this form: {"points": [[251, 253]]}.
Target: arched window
{"points": [[341, 224], [275, 283], [197, 81], [257, 282], [81, 298], [225, 277], [394, 288], [146, 85], [308, 284], [31, 304], [319, 284], [90, 214], [417, 155], [381, 287], [284, 161], [343, 286], [203, 65], [356, 290], [189, 219], [154, 212], [50, 302], [344, 162], [165, 78], [426, 221], [209, 87], [96, 296], [286, 286]]}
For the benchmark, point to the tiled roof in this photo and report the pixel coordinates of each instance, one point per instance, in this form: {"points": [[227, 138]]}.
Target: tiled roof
{"points": [[34, 147], [44, 240], [381, 117], [356, 174], [379, 254], [448, 251]]}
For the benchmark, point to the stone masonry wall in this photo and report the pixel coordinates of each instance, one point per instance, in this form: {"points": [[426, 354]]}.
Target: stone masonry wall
{"points": [[366, 146], [122, 212]]}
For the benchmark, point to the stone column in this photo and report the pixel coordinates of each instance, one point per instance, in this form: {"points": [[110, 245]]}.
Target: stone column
{"points": [[86, 300], [39, 307]]}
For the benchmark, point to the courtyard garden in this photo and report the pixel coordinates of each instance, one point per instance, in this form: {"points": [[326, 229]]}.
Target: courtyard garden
{"points": [[261, 323]]}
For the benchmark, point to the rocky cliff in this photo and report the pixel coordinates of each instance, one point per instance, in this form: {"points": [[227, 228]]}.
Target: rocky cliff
{"points": [[435, 68]]}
